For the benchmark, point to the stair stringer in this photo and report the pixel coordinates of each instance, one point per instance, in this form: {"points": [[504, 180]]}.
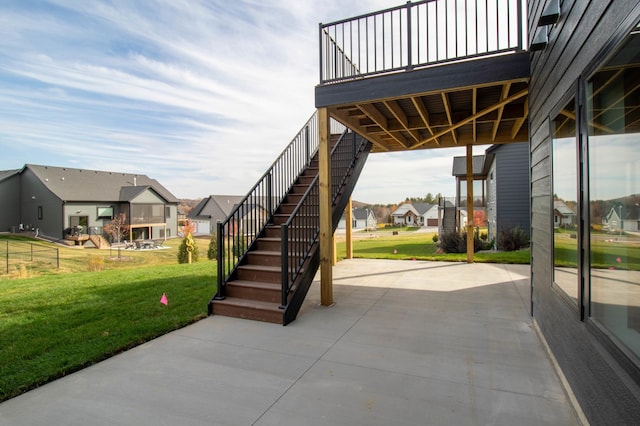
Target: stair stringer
{"points": [[303, 283]]}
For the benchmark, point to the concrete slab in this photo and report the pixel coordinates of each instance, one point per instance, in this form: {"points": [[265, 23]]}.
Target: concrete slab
{"points": [[406, 343]]}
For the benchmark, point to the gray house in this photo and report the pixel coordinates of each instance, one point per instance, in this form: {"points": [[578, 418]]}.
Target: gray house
{"points": [[60, 201], [216, 208], [362, 218], [508, 188]]}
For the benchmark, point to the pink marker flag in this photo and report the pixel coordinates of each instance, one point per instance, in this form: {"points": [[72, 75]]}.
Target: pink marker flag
{"points": [[164, 299], [618, 260]]}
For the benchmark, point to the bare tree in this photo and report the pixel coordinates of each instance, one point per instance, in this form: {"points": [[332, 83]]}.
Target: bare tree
{"points": [[117, 228]]}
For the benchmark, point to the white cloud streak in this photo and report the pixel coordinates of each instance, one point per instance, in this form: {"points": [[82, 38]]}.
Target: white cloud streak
{"points": [[200, 95]]}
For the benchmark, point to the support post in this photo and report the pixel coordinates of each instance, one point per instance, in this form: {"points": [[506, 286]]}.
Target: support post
{"points": [[348, 217], [324, 179], [469, 203]]}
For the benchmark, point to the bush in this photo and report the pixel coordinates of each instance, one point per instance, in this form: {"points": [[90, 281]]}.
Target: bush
{"points": [[453, 242], [95, 263], [435, 238], [188, 244], [239, 245], [212, 253], [511, 239]]}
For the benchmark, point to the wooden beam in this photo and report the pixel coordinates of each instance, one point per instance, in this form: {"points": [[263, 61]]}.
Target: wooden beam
{"points": [[424, 114], [496, 124], [469, 203], [474, 110], [348, 217], [517, 125], [324, 179], [399, 114], [447, 109], [473, 117], [373, 113]]}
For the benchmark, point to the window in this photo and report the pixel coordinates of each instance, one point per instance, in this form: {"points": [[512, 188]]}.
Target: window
{"points": [[613, 122], [564, 153], [40, 214], [105, 212]]}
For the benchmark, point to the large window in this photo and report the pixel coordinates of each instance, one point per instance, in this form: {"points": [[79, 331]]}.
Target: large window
{"points": [[565, 201], [147, 213], [613, 120]]}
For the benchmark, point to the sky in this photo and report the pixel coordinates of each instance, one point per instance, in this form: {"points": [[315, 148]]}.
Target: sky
{"points": [[200, 95]]}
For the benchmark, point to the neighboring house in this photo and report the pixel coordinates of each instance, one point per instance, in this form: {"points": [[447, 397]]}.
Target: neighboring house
{"points": [[362, 218], [507, 188], [60, 200], [481, 165], [630, 219], [216, 208], [563, 216], [415, 214]]}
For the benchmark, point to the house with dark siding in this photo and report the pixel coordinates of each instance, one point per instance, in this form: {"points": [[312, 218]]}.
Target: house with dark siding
{"points": [[508, 188], [61, 201]]}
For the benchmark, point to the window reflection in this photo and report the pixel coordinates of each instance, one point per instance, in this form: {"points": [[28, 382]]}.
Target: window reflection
{"points": [[613, 115], [565, 196]]}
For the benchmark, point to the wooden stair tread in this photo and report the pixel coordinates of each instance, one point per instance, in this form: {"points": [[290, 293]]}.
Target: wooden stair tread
{"points": [[248, 303], [255, 284]]}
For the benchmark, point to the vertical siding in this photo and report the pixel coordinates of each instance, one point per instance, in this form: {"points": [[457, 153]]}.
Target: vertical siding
{"points": [[35, 194], [10, 196], [512, 179], [605, 390]]}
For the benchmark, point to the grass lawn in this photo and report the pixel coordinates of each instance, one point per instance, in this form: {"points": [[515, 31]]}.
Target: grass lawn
{"points": [[54, 324], [420, 246], [56, 321]]}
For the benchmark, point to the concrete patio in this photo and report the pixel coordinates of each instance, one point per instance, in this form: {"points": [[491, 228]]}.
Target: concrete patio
{"points": [[407, 343]]}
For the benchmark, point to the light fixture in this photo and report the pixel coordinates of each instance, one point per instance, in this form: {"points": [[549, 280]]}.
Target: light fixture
{"points": [[550, 14]]}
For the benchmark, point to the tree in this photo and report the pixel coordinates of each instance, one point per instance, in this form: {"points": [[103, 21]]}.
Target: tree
{"points": [[117, 228], [188, 251], [212, 253]]}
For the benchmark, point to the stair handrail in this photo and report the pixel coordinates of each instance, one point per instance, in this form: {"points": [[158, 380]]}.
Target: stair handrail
{"points": [[247, 219], [300, 232], [237, 233]]}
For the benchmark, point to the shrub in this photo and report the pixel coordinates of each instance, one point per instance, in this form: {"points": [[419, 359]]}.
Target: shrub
{"points": [[95, 263], [511, 239], [188, 244], [239, 245], [454, 242], [435, 238], [212, 253]]}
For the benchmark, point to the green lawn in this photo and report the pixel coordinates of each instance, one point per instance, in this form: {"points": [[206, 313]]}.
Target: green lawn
{"points": [[52, 325], [56, 321], [420, 246]]}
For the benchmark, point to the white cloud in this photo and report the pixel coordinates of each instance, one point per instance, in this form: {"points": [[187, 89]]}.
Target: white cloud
{"points": [[201, 95]]}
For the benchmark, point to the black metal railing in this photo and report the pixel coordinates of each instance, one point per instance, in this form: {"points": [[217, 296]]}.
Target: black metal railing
{"points": [[300, 232], [239, 230], [418, 34]]}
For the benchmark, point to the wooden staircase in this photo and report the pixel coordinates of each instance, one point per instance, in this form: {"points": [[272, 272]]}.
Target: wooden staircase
{"points": [[256, 292]]}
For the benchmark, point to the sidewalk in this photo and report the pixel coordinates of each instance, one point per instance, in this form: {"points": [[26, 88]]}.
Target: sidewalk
{"points": [[407, 343]]}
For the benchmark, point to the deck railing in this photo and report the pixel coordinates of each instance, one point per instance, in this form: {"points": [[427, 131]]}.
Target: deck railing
{"points": [[418, 34], [300, 232]]}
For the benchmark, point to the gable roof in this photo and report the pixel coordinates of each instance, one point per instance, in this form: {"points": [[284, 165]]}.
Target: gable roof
{"points": [[215, 207], [481, 164], [71, 184], [6, 174], [562, 208], [360, 213]]}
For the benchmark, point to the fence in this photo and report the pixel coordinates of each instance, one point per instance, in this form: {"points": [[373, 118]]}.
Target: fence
{"points": [[15, 254]]}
